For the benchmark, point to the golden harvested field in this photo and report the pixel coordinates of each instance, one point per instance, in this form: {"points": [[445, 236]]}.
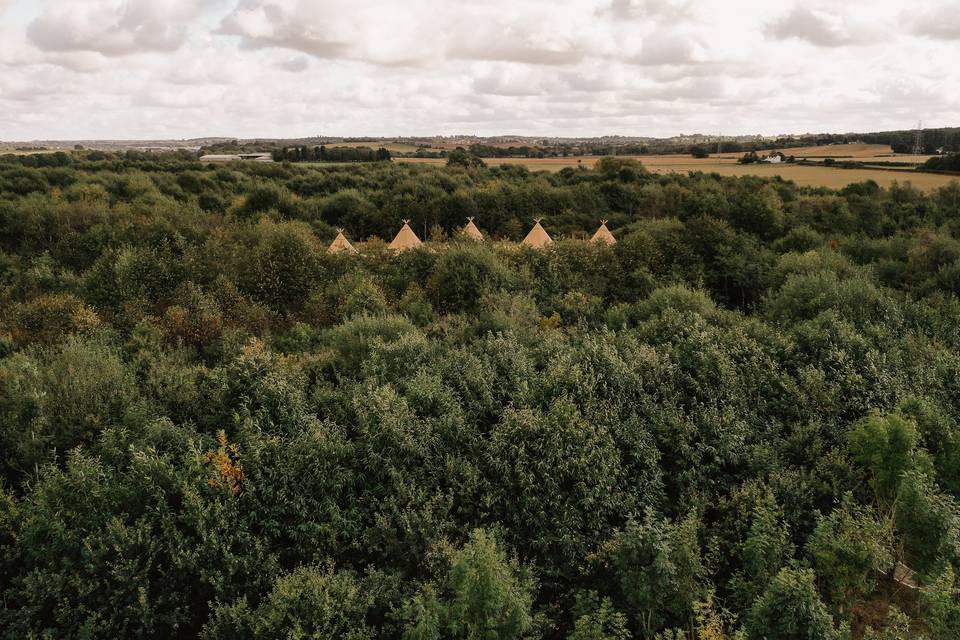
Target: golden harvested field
{"points": [[803, 175], [859, 152], [726, 165]]}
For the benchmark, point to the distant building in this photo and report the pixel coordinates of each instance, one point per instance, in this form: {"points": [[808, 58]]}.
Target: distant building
{"points": [[774, 158]]}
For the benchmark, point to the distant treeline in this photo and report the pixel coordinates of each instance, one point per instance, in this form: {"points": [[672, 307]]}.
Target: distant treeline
{"points": [[933, 141], [490, 151], [330, 154], [80, 158], [950, 162], [944, 140], [58, 159]]}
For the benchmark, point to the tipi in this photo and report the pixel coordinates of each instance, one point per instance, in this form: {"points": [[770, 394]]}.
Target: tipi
{"points": [[603, 234], [471, 230], [340, 244], [406, 239], [537, 238]]}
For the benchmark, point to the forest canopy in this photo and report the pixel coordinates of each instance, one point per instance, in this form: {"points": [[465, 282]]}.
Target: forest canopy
{"points": [[740, 420]]}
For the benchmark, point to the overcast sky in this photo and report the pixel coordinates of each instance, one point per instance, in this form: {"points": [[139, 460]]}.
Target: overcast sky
{"points": [[72, 69]]}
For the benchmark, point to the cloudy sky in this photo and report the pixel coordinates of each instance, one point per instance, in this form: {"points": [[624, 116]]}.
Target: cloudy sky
{"points": [[72, 69]]}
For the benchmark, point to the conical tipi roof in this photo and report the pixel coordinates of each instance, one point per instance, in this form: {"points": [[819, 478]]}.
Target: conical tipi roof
{"points": [[603, 234], [406, 239], [537, 238], [471, 230], [340, 244]]}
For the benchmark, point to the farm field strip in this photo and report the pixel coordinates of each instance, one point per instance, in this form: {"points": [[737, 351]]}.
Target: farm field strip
{"points": [[810, 176]]}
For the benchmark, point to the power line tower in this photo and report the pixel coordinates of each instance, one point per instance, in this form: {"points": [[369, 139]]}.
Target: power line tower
{"points": [[918, 139]]}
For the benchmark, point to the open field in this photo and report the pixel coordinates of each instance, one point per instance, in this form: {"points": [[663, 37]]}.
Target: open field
{"points": [[858, 152], [726, 165], [26, 152], [808, 176]]}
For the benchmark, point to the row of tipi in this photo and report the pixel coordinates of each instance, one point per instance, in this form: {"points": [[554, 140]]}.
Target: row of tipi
{"points": [[407, 239]]}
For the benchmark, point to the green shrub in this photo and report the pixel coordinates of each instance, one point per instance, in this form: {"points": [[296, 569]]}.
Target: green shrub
{"points": [[790, 609]]}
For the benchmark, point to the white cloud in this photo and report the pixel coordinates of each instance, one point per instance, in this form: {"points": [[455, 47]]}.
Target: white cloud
{"points": [[510, 79], [114, 27], [182, 68], [296, 64], [666, 48], [822, 28], [288, 25], [658, 10], [942, 22], [417, 34]]}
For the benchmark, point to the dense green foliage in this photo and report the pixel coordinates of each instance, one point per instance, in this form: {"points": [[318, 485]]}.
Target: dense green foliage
{"points": [[949, 162], [735, 422], [330, 154]]}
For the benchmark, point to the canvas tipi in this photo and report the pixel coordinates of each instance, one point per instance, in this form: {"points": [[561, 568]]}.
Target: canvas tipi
{"points": [[538, 237], [340, 244], [406, 239], [603, 234], [471, 230]]}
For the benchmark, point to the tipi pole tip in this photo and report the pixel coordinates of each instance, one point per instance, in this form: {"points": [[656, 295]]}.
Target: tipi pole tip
{"points": [[469, 218], [537, 220], [406, 221]]}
